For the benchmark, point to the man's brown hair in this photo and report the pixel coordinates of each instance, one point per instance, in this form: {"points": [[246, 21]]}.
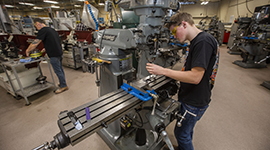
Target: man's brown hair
{"points": [[38, 20], [178, 18]]}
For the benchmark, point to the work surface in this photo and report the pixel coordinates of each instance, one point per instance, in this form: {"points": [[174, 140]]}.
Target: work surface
{"points": [[237, 119]]}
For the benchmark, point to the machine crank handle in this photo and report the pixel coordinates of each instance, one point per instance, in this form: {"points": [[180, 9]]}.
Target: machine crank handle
{"points": [[165, 111], [60, 141], [263, 59], [44, 146], [97, 78], [165, 137], [179, 123]]}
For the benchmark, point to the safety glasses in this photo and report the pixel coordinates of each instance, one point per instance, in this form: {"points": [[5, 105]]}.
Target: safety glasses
{"points": [[174, 29]]}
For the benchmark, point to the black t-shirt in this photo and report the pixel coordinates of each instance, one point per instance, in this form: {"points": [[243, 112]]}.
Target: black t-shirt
{"points": [[203, 52], [51, 41]]}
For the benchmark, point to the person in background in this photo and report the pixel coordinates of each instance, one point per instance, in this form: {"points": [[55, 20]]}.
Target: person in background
{"points": [[81, 27], [52, 44], [196, 78]]}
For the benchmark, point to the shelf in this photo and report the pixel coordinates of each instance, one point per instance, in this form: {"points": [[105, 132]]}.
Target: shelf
{"points": [[16, 62], [31, 90]]}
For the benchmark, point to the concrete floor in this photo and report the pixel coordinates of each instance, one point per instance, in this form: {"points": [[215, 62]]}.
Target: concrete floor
{"points": [[237, 119]]}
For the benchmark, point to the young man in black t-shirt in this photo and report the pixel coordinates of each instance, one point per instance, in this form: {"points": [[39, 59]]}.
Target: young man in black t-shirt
{"points": [[197, 76], [52, 44]]}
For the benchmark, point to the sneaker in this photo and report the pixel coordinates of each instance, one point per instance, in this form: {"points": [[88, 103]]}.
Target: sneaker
{"points": [[60, 90], [167, 148]]}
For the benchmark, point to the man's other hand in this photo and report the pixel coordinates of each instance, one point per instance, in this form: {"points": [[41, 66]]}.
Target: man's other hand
{"points": [[27, 53], [155, 69], [43, 50]]}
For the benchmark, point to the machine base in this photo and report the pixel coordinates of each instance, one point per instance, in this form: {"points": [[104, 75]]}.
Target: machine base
{"points": [[249, 65], [266, 84], [232, 52], [127, 142]]}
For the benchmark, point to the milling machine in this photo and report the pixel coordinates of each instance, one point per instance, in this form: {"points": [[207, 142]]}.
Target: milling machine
{"points": [[131, 115], [76, 46], [255, 41], [237, 30], [216, 28]]}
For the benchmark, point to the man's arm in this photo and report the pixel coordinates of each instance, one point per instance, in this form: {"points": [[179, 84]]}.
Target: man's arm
{"points": [[194, 76], [32, 46]]}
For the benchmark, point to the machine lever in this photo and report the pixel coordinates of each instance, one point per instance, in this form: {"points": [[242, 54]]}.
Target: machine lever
{"points": [[97, 79], [179, 124], [45, 146], [104, 124], [155, 102], [165, 137], [263, 59], [171, 104]]}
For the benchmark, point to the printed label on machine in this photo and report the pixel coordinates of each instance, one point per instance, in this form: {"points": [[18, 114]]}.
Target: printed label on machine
{"points": [[109, 37]]}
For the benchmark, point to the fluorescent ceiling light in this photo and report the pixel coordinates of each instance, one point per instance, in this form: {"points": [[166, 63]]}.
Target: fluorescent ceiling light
{"points": [[29, 4], [101, 4], [187, 3], [10, 6], [204, 3], [48, 1], [77, 5], [37, 7], [55, 6]]}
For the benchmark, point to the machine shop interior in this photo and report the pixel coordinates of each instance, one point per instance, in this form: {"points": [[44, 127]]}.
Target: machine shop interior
{"points": [[108, 60]]}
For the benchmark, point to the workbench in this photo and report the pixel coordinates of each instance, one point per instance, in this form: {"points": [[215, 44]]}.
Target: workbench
{"points": [[29, 90]]}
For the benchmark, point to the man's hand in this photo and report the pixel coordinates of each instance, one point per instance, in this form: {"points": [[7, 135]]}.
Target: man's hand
{"points": [[32, 46], [155, 69], [43, 50], [27, 52]]}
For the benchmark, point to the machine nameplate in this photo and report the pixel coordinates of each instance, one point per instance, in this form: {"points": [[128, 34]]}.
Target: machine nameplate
{"points": [[109, 37]]}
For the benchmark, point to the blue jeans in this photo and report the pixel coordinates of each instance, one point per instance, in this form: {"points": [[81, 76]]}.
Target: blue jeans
{"points": [[184, 133], [56, 63]]}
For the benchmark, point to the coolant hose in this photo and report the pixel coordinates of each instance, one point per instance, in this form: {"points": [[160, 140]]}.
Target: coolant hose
{"points": [[90, 10]]}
